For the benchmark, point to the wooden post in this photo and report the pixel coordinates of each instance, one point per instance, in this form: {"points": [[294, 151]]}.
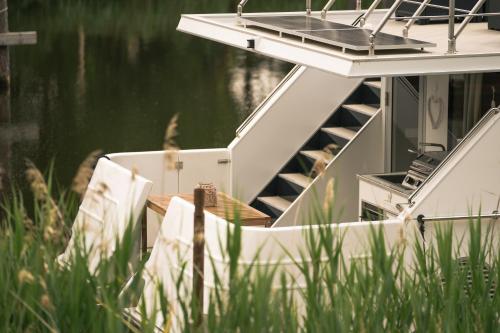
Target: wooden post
{"points": [[144, 232], [198, 256], [4, 100], [4, 50]]}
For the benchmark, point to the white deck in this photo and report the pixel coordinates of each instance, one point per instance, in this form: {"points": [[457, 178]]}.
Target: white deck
{"points": [[478, 47]]}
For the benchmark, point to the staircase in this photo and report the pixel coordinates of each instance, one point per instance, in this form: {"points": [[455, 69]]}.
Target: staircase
{"points": [[326, 143]]}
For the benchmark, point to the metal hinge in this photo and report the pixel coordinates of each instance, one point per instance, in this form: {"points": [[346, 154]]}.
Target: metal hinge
{"points": [[179, 165], [224, 161]]}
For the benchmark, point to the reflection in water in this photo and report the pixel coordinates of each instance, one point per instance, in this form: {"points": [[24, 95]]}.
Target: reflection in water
{"points": [[80, 77], [11, 135], [250, 84], [110, 75], [5, 140]]}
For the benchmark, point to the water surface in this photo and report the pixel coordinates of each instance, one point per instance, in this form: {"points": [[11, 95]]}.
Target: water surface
{"points": [[110, 76]]}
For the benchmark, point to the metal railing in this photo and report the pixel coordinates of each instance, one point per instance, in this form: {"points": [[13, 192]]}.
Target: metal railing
{"points": [[453, 33], [493, 215], [418, 12], [240, 7], [483, 121], [421, 219], [327, 7]]}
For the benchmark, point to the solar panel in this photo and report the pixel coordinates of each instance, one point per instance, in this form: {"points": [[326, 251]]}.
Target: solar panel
{"points": [[332, 33], [294, 23]]}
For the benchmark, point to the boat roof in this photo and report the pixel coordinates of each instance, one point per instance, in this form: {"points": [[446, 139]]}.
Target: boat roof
{"points": [[341, 49]]}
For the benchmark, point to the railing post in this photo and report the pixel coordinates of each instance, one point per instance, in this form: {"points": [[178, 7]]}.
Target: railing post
{"points": [[452, 43], [198, 256], [467, 19], [382, 23], [358, 5], [240, 7], [413, 19], [308, 7], [373, 6], [327, 7]]}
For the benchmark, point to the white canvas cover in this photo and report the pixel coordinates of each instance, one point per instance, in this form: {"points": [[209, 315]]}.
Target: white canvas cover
{"points": [[115, 197]]}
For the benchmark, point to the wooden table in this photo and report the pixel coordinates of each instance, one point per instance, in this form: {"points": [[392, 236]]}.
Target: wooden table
{"points": [[227, 208]]}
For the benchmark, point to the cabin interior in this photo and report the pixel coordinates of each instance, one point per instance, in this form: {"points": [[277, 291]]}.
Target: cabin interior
{"points": [[392, 127]]}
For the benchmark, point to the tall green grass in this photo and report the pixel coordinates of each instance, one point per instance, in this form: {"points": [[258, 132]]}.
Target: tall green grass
{"points": [[382, 293]]}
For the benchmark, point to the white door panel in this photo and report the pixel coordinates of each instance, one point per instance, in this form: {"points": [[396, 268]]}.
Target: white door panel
{"points": [[207, 166]]}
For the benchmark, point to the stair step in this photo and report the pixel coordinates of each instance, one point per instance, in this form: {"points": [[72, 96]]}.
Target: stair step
{"points": [[374, 84], [296, 178], [276, 202], [365, 109], [342, 132], [317, 154]]}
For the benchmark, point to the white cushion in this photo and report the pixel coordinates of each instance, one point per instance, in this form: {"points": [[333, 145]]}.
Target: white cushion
{"points": [[113, 202]]}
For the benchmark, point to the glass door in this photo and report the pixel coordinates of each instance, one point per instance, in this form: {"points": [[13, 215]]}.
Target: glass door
{"points": [[405, 120]]}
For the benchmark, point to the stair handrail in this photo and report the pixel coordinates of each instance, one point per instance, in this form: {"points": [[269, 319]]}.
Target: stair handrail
{"points": [[411, 89], [489, 115], [247, 121]]}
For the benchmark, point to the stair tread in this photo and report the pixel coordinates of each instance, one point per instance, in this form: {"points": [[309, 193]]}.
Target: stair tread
{"points": [[296, 178], [365, 109], [342, 132], [277, 202], [374, 84], [317, 154]]}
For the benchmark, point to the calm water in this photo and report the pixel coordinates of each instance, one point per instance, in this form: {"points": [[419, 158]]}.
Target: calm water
{"points": [[111, 75]]}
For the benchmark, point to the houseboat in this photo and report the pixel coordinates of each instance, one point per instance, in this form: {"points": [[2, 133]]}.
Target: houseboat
{"points": [[395, 108]]}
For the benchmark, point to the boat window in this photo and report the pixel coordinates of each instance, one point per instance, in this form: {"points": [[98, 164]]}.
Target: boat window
{"points": [[471, 96]]}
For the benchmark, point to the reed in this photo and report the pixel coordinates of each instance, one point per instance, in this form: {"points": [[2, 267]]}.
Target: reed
{"points": [[169, 144], [84, 173], [437, 293]]}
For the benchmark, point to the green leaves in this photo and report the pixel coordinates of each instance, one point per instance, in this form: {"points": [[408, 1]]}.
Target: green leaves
{"points": [[448, 285]]}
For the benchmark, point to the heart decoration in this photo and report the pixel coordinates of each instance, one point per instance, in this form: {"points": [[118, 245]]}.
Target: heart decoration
{"points": [[435, 110]]}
